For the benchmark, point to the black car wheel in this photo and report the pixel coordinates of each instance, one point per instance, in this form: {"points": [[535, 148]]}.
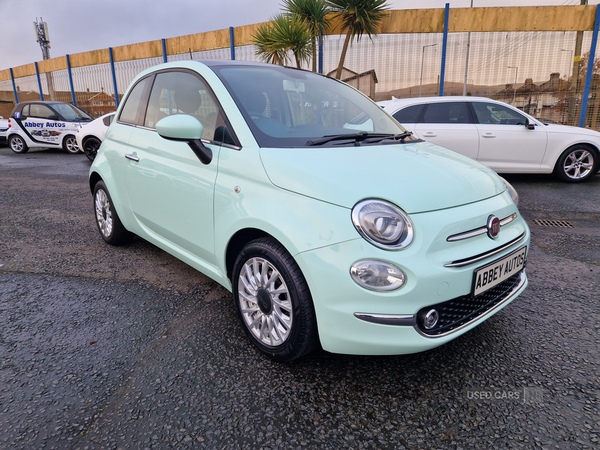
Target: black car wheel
{"points": [[90, 147], [273, 301]]}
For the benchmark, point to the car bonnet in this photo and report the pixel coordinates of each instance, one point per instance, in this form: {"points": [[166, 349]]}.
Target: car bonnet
{"points": [[418, 177]]}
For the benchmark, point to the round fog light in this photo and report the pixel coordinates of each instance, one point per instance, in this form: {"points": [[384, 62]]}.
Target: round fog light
{"points": [[377, 275], [431, 319]]}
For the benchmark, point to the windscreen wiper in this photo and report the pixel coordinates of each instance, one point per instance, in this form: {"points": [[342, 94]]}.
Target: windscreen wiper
{"points": [[357, 137], [394, 137]]}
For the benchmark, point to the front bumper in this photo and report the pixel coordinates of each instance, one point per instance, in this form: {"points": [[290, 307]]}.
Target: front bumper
{"points": [[353, 320]]}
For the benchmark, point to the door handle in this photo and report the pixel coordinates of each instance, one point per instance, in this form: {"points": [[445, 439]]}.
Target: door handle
{"points": [[131, 157], [488, 135], [429, 134]]}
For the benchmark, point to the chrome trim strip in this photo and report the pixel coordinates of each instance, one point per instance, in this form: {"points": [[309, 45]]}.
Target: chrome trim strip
{"points": [[131, 157], [508, 219], [478, 231], [522, 280], [466, 262], [403, 320]]}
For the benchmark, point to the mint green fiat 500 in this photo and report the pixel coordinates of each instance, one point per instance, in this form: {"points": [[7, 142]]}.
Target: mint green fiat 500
{"points": [[329, 223]]}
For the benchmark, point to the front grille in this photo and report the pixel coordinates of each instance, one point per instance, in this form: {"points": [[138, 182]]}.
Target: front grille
{"points": [[462, 310]]}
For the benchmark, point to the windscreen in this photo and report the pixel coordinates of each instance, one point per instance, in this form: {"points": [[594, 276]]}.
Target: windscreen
{"points": [[71, 113], [288, 108]]}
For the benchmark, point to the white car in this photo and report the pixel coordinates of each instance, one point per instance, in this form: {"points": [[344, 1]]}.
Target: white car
{"points": [[500, 136], [90, 136], [45, 125], [3, 129]]}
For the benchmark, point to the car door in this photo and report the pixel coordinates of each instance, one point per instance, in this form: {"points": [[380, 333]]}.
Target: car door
{"points": [[450, 125], [42, 124], [170, 191], [506, 144]]}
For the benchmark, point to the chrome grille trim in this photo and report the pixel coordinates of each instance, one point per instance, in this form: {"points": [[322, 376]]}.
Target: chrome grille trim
{"points": [[477, 258], [479, 231]]}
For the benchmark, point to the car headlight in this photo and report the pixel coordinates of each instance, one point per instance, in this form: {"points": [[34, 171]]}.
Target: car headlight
{"points": [[382, 224], [511, 191]]}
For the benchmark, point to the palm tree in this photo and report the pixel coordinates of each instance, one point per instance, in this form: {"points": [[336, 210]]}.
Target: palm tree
{"points": [[269, 50], [358, 17], [284, 32], [313, 13]]}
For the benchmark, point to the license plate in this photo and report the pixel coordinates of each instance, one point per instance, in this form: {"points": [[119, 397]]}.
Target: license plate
{"points": [[495, 273]]}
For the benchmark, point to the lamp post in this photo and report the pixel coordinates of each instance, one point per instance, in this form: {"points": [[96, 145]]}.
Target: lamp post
{"points": [[422, 60], [515, 91], [570, 62], [467, 59]]}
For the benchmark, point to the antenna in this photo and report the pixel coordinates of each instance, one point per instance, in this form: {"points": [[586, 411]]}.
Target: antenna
{"points": [[42, 36]]}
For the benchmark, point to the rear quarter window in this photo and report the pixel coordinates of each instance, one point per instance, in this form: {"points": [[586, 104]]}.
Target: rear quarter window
{"points": [[410, 114]]}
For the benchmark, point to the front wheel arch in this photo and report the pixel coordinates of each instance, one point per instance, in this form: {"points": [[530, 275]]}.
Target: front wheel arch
{"points": [[573, 164], [273, 301]]}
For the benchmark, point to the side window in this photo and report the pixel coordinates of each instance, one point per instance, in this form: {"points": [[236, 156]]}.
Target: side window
{"points": [[129, 113], [25, 111], [184, 93], [446, 112], [408, 115], [41, 111], [492, 113], [108, 120]]}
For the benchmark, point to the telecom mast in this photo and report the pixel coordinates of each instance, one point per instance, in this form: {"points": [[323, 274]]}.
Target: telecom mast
{"points": [[43, 38]]}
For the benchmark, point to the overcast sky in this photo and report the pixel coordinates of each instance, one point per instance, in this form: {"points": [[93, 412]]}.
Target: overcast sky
{"points": [[77, 26]]}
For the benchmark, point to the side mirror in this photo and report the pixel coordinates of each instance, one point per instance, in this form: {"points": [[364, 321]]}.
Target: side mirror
{"points": [[529, 125], [182, 127]]}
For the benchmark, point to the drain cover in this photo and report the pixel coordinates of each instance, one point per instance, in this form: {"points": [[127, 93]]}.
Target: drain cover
{"points": [[552, 223]]}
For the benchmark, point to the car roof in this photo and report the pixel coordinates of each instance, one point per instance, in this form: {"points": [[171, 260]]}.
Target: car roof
{"points": [[397, 103], [44, 101]]}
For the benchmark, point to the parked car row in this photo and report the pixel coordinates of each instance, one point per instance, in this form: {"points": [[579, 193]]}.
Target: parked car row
{"points": [[44, 124], [331, 223], [498, 135]]}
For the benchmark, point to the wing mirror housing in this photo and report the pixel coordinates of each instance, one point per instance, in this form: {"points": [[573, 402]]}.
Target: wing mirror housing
{"points": [[529, 125], [183, 127]]}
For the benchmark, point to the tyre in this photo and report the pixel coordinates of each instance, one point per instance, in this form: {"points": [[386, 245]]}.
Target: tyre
{"points": [[577, 164], [17, 144], [273, 301], [70, 144], [110, 226], [90, 147]]}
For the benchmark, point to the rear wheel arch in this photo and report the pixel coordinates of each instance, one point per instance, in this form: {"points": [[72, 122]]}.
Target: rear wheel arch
{"points": [[94, 178]]}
